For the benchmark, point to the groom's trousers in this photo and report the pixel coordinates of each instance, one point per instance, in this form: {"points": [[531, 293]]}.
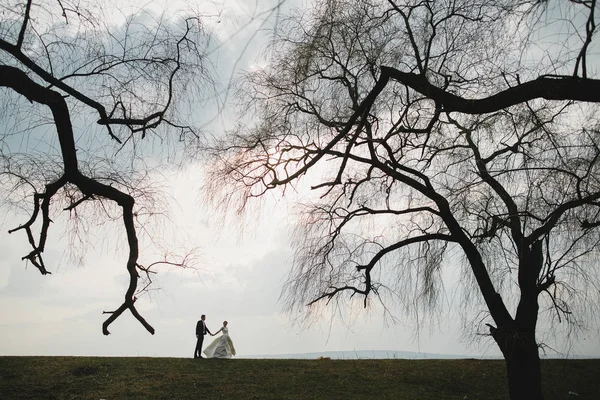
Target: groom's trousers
{"points": [[198, 350]]}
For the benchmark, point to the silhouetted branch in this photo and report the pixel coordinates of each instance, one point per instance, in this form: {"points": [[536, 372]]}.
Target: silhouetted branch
{"points": [[18, 81], [547, 87], [26, 17], [590, 28]]}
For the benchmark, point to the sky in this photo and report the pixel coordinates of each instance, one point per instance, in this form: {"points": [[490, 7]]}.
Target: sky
{"points": [[238, 278], [241, 267]]}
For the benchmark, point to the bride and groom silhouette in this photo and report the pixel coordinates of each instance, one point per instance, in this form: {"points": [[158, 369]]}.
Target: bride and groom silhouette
{"points": [[221, 347]]}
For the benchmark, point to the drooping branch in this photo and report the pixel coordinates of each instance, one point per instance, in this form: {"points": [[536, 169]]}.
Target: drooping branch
{"points": [[91, 187], [333, 291], [404, 243], [369, 286], [17, 80]]}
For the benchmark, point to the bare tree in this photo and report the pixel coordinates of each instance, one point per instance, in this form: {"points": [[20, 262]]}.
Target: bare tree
{"points": [[434, 129], [131, 80]]}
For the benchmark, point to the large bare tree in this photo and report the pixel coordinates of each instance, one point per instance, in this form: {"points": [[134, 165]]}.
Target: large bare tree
{"points": [[82, 85], [438, 135]]}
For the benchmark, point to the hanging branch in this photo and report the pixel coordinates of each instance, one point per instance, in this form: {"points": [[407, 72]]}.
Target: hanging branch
{"points": [[18, 81]]}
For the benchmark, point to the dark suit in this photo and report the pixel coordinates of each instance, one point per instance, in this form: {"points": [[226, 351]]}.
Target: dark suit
{"points": [[201, 330]]}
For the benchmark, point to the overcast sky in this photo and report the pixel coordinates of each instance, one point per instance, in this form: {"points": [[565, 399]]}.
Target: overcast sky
{"points": [[238, 278]]}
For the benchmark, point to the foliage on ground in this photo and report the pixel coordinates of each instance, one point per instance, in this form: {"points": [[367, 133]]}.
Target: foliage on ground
{"points": [[177, 378]]}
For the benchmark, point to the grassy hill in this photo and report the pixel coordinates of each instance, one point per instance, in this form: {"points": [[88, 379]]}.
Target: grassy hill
{"points": [[177, 378]]}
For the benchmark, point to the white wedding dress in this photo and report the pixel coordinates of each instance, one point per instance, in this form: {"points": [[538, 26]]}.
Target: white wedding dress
{"points": [[221, 347]]}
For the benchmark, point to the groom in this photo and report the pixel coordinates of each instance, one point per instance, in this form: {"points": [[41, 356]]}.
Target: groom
{"points": [[201, 330]]}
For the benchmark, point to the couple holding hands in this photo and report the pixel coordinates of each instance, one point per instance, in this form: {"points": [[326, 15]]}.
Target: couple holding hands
{"points": [[221, 347]]}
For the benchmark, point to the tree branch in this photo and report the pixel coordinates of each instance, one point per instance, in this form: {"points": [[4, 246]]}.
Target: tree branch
{"points": [[545, 87], [24, 25], [590, 27], [404, 243], [18, 81]]}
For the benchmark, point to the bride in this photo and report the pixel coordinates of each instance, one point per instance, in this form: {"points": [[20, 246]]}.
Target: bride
{"points": [[221, 347]]}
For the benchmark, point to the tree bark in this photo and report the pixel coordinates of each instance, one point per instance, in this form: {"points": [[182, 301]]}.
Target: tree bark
{"points": [[517, 340], [523, 365]]}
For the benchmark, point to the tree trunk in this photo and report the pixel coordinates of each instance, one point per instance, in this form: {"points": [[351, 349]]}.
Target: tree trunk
{"points": [[517, 339], [522, 364]]}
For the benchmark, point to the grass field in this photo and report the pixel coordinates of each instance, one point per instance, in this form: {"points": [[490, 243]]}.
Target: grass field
{"points": [[178, 378]]}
